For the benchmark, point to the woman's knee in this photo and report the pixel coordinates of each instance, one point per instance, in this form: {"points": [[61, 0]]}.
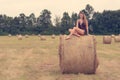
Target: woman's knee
{"points": [[70, 30], [75, 28]]}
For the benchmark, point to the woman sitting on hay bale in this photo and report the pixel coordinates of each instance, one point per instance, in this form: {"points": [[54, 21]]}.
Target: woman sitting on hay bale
{"points": [[81, 27], [78, 55]]}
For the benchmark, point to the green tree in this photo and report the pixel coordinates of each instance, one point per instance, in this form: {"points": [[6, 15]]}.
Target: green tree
{"points": [[22, 22], [89, 11], [57, 21], [45, 18], [5, 22], [32, 20], [44, 21], [74, 18], [65, 23], [106, 22]]}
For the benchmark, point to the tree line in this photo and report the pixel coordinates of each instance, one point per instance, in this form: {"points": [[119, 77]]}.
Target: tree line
{"points": [[106, 22]]}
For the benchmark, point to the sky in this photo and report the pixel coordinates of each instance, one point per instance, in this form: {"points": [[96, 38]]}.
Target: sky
{"points": [[57, 7]]}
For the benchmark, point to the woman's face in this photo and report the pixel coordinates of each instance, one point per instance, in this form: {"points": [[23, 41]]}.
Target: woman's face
{"points": [[81, 15]]}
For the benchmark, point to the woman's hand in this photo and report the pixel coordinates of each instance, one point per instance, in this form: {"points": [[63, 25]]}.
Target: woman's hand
{"points": [[87, 31]]}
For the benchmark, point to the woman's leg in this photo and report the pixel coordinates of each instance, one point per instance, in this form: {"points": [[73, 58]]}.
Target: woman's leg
{"points": [[79, 31], [76, 34], [72, 32]]}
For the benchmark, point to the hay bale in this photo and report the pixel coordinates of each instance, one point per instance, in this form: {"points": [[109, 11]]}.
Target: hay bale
{"points": [[107, 39], [9, 35], [42, 38], [53, 36], [20, 37], [26, 36], [112, 36], [33, 34], [78, 55], [39, 35], [117, 38]]}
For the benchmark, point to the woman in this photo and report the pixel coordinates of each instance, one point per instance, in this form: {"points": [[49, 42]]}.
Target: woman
{"points": [[81, 27]]}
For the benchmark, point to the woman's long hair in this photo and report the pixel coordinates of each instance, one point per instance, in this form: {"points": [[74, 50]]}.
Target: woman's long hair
{"points": [[84, 18]]}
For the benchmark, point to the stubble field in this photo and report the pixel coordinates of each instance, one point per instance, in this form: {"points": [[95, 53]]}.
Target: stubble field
{"points": [[33, 59]]}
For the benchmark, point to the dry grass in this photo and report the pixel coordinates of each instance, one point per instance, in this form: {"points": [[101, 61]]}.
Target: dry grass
{"points": [[33, 59]]}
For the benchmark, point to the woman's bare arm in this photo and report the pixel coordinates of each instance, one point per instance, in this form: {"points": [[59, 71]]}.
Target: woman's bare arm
{"points": [[77, 23], [87, 27]]}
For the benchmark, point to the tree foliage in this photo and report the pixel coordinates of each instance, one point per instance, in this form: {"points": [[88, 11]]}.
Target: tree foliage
{"points": [[106, 22]]}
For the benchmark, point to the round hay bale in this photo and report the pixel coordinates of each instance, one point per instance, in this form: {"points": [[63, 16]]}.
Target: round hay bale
{"points": [[117, 38], [107, 39], [26, 36], [20, 37], [43, 38], [33, 34], [9, 35], [39, 35], [78, 55], [53, 36], [112, 36]]}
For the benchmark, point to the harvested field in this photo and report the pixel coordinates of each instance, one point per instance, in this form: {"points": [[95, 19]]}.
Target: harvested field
{"points": [[34, 59]]}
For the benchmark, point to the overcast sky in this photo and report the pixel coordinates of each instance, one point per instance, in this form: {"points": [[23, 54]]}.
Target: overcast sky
{"points": [[57, 7]]}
